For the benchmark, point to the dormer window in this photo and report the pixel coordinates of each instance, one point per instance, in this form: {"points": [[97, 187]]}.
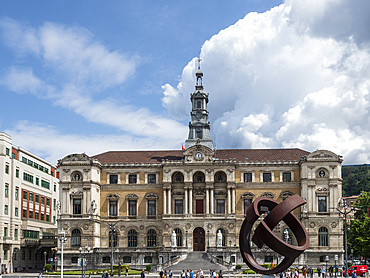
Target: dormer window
{"points": [[199, 104]]}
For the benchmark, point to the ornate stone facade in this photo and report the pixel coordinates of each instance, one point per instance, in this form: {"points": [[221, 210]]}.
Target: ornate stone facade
{"points": [[147, 195]]}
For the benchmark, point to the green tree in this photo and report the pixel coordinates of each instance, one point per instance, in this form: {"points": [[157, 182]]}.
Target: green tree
{"points": [[359, 236]]}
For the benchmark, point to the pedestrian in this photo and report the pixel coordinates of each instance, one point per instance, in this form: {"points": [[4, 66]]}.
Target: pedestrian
{"points": [[103, 274], [304, 271], [170, 274], [296, 273], [201, 275], [161, 274], [323, 272], [287, 273], [126, 270], [354, 275], [191, 273], [220, 274], [142, 274], [183, 275], [318, 271], [40, 275], [211, 273]]}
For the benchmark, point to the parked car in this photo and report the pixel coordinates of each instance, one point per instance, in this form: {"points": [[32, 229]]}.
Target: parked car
{"points": [[361, 270]]}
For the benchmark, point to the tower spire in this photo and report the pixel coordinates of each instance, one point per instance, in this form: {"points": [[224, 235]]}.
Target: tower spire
{"points": [[199, 127]]}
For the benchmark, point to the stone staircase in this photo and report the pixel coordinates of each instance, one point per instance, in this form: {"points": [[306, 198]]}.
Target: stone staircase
{"points": [[196, 261]]}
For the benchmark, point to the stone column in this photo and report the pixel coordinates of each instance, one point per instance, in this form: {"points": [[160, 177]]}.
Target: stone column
{"points": [[164, 201], [190, 201], [207, 200], [228, 201], [212, 201], [186, 205], [169, 201], [233, 200]]}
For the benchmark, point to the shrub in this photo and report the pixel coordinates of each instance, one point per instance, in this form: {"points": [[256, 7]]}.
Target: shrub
{"points": [[48, 267], [238, 266], [148, 267]]}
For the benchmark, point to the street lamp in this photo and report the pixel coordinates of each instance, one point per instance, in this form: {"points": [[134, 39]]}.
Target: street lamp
{"points": [[208, 238], [111, 231], [83, 252], [186, 238], [345, 211], [45, 254], [62, 240]]}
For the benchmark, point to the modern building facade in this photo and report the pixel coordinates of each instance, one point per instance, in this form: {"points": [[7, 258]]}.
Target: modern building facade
{"points": [[28, 199], [161, 205]]}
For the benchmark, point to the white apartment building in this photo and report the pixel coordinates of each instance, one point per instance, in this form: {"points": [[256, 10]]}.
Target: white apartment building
{"points": [[29, 190]]}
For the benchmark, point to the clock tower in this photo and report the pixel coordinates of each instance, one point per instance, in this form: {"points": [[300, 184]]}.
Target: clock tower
{"points": [[199, 126]]}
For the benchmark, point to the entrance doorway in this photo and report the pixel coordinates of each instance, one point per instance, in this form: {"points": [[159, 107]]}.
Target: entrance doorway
{"points": [[199, 239]]}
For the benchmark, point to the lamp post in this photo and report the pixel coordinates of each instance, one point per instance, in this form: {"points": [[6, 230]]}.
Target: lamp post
{"points": [[345, 211], [62, 240], [83, 252], [45, 254], [186, 238], [111, 231], [208, 238]]}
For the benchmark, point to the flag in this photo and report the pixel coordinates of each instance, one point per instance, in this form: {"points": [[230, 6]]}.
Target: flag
{"points": [[215, 148], [182, 147]]}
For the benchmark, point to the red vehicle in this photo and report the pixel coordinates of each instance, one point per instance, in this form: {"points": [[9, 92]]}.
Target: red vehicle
{"points": [[361, 270]]}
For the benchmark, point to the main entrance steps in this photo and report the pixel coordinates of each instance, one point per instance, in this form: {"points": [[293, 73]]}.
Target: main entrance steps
{"points": [[196, 261]]}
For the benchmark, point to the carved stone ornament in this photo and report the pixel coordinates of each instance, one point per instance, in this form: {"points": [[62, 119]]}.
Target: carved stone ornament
{"points": [[65, 227], [286, 194], [209, 226], [166, 226], [66, 170], [220, 193], [75, 194], [141, 227], [333, 224], [199, 191], [122, 228], [178, 193], [87, 170], [322, 189], [81, 157], [188, 226], [312, 225], [231, 226], [268, 194], [132, 196], [113, 197], [151, 196], [322, 155], [86, 227], [248, 195]]}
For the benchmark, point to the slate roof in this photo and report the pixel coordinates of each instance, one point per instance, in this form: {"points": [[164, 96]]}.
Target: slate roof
{"points": [[247, 155]]}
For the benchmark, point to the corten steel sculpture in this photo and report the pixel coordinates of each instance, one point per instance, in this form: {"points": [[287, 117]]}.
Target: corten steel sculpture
{"points": [[263, 234]]}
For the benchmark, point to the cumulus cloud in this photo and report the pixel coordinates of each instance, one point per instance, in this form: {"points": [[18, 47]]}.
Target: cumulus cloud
{"points": [[78, 68], [294, 76]]}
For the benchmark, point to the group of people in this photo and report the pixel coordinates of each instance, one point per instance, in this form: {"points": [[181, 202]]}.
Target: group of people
{"points": [[322, 271], [309, 271], [191, 274]]}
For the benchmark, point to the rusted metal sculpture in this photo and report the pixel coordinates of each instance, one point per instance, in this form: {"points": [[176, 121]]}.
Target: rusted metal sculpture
{"points": [[263, 233]]}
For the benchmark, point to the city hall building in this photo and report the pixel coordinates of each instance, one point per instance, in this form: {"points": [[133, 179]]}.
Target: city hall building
{"points": [[155, 207]]}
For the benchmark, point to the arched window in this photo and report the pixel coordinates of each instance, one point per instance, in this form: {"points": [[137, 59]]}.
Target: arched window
{"points": [[323, 237], [178, 237], [177, 177], [76, 238], [198, 177], [220, 177], [288, 236], [132, 238], [151, 238], [223, 232], [115, 238]]}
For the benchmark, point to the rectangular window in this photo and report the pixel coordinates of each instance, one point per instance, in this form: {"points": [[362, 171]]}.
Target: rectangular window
{"points": [[266, 177], [48, 202], [74, 260], [42, 200], [106, 260], [30, 234], [37, 198], [30, 214], [37, 215], [54, 204], [17, 173], [5, 231], [37, 181], [24, 195], [23, 255], [17, 193], [45, 184], [152, 178], [24, 160], [247, 177], [30, 162], [7, 151], [148, 259], [41, 168], [6, 169], [287, 177], [6, 210], [13, 155], [126, 260], [178, 207], [55, 187], [113, 179], [31, 197], [112, 208], [77, 206], [42, 217], [151, 207], [247, 203], [198, 134], [132, 178], [24, 213], [132, 208], [15, 233], [322, 204], [35, 165], [220, 206], [6, 191], [16, 211], [269, 259], [27, 177], [47, 218]]}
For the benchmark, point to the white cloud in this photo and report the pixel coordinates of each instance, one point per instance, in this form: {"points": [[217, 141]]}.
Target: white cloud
{"points": [[289, 77]]}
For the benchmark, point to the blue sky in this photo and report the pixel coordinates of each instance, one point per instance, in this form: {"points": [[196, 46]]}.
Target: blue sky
{"points": [[117, 75]]}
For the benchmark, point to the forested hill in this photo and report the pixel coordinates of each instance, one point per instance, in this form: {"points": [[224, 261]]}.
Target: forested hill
{"points": [[356, 178]]}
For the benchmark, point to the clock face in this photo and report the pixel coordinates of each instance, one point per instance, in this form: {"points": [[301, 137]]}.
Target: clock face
{"points": [[198, 155]]}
